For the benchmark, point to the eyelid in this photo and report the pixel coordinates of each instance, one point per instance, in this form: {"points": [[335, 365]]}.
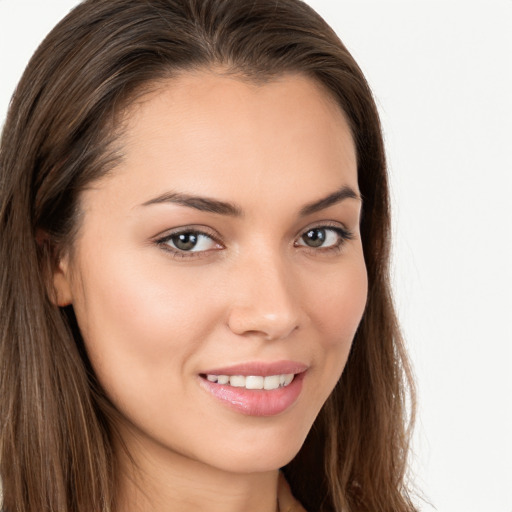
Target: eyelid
{"points": [[163, 238], [342, 231], [192, 228], [327, 224]]}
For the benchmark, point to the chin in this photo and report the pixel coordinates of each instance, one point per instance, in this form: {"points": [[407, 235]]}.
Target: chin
{"points": [[263, 463], [261, 454]]}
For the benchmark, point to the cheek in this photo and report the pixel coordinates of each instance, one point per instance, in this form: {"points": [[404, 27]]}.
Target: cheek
{"points": [[340, 300], [139, 323]]}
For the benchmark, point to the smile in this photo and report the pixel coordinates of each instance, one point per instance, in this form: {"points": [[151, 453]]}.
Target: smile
{"points": [[253, 381], [256, 389]]}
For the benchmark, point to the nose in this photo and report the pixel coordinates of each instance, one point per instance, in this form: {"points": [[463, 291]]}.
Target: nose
{"points": [[265, 300]]}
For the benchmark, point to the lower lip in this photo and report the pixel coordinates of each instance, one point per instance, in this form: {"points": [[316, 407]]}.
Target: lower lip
{"points": [[256, 402]]}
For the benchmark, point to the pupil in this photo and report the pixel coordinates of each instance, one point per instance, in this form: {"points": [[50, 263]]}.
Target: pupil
{"points": [[314, 237], [185, 241]]}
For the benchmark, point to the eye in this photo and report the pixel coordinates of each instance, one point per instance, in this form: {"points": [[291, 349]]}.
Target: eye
{"points": [[324, 237], [189, 241]]}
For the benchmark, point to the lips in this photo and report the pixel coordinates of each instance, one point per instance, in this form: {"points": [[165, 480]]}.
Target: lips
{"points": [[256, 389]]}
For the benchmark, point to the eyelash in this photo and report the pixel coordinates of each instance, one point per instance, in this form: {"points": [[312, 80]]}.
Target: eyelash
{"points": [[165, 241], [342, 233]]}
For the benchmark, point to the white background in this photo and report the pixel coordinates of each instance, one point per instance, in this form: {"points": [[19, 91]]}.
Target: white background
{"points": [[442, 75]]}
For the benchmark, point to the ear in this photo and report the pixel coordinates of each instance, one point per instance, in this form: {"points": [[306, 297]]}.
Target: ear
{"points": [[62, 295], [57, 270]]}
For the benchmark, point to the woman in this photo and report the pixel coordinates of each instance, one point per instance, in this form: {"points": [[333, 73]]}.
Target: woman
{"points": [[194, 245]]}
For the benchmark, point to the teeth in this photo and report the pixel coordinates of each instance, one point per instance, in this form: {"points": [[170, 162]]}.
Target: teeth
{"points": [[253, 381], [237, 381], [272, 382], [223, 379]]}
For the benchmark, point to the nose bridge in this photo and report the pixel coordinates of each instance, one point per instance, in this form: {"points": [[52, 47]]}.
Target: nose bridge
{"points": [[264, 302]]}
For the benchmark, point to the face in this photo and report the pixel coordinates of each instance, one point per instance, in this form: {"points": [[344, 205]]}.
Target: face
{"points": [[218, 275]]}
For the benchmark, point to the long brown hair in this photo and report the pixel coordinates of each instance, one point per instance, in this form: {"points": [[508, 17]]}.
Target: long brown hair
{"points": [[56, 423]]}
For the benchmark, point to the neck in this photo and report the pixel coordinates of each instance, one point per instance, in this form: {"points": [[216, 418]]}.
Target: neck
{"points": [[162, 481]]}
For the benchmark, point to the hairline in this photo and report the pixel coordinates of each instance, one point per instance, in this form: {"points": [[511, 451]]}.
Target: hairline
{"points": [[116, 122]]}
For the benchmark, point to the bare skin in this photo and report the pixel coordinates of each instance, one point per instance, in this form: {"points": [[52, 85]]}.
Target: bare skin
{"points": [[166, 289]]}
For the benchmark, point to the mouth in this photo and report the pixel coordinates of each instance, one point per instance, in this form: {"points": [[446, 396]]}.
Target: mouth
{"points": [[256, 389]]}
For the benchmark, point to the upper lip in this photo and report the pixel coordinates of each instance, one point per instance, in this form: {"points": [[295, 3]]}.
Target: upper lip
{"points": [[259, 368]]}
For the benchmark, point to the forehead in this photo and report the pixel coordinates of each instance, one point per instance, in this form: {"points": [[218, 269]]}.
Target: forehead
{"points": [[224, 134]]}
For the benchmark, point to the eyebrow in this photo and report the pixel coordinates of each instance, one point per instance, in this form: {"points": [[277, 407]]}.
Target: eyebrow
{"points": [[332, 199], [206, 204], [203, 204]]}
